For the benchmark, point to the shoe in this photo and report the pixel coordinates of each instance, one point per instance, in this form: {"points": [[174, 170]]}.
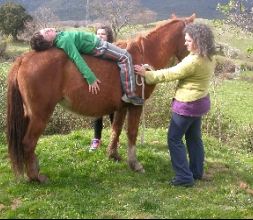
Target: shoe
{"points": [[135, 100], [175, 182], [205, 177], [95, 144]]}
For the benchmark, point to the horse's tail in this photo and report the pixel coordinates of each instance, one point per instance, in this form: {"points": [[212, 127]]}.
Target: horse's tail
{"points": [[16, 121]]}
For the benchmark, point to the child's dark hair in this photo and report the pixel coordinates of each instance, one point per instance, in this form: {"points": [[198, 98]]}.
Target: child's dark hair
{"points": [[108, 31], [38, 42]]}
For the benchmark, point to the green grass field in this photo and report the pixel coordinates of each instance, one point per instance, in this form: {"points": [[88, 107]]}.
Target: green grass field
{"points": [[86, 184], [236, 99]]}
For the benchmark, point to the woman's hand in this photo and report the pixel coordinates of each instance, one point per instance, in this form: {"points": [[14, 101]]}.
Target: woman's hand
{"points": [[139, 70], [94, 87]]}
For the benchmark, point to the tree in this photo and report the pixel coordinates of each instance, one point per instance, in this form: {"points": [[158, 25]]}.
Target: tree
{"points": [[119, 13], [43, 17], [239, 13], [13, 19]]}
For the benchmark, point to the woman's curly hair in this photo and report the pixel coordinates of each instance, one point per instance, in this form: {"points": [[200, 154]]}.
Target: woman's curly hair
{"points": [[203, 37]]}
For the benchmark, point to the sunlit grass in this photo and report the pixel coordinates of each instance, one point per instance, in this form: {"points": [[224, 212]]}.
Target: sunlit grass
{"points": [[86, 184], [16, 48], [236, 98]]}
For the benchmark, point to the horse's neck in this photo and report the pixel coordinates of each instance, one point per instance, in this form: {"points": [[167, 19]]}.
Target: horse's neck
{"points": [[160, 46]]}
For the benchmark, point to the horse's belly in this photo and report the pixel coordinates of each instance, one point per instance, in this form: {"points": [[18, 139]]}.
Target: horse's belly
{"points": [[94, 108]]}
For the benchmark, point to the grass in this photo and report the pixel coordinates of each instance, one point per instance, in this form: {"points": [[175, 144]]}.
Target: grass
{"points": [[236, 96], [16, 48], [234, 37], [86, 184]]}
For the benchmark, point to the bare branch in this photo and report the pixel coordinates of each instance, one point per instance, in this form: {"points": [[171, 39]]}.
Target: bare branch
{"points": [[119, 13]]}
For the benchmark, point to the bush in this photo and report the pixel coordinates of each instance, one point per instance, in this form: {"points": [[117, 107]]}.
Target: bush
{"points": [[63, 122], [246, 76], [3, 46], [225, 68], [3, 100]]}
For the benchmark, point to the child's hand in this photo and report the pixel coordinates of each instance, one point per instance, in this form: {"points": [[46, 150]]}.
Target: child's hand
{"points": [[94, 87]]}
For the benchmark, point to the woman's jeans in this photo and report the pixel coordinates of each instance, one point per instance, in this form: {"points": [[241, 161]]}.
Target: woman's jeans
{"points": [[110, 51], [190, 127]]}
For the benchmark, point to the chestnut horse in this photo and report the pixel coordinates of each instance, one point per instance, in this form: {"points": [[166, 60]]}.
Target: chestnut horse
{"points": [[38, 81]]}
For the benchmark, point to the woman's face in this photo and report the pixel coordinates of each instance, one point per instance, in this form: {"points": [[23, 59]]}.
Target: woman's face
{"points": [[101, 33], [190, 44], [49, 34]]}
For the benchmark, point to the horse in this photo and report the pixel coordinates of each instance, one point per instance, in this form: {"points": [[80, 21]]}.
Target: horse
{"points": [[38, 81]]}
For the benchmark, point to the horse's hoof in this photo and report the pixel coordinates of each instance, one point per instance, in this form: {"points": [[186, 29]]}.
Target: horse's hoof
{"points": [[140, 170], [43, 179], [40, 179], [137, 167], [115, 157]]}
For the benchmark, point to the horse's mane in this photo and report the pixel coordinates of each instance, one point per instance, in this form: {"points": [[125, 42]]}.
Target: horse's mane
{"points": [[143, 35], [160, 26]]}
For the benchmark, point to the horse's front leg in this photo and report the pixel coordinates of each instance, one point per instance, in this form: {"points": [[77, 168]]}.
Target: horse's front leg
{"points": [[134, 115], [118, 121]]}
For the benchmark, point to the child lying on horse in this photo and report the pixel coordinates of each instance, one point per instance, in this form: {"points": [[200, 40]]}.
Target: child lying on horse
{"points": [[76, 43]]}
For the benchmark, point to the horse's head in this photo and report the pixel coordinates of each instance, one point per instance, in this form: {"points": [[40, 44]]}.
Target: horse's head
{"points": [[162, 43], [181, 50]]}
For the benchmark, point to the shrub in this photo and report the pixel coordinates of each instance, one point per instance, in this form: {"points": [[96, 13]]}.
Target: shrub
{"points": [[3, 46], [225, 68], [3, 100], [247, 76], [63, 122]]}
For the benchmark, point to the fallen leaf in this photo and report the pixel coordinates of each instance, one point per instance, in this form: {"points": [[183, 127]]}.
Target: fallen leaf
{"points": [[16, 203], [243, 185], [246, 187], [2, 207]]}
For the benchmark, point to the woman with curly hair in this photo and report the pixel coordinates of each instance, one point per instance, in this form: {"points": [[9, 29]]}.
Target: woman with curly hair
{"points": [[190, 103]]}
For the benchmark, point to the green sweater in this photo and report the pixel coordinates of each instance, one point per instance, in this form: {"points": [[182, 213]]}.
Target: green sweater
{"points": [[76, 43], [193, 73]]}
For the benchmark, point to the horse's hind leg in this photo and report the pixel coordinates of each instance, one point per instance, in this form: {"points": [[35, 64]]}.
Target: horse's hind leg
{"points": [[134, 115], [117, 125], [35, 128]]}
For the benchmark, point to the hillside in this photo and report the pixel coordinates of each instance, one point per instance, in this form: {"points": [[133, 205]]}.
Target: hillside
{"points": [[75, 9]]}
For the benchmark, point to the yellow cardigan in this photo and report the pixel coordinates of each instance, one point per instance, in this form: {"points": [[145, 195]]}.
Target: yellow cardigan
{"points": [[194, 74]]}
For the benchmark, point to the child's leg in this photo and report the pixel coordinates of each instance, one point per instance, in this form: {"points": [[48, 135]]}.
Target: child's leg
{"points": [[111, 117], [98, 126], [124, 60]]}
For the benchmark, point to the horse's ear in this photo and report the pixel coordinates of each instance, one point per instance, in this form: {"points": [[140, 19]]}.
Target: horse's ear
{"points": [[173, 16], [190, 19]]}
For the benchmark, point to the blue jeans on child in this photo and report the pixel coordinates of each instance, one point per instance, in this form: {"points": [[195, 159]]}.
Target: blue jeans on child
{"points": [[190, 127]]}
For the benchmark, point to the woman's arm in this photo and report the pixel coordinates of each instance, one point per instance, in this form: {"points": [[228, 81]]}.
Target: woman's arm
{"points": [[183, 69]]}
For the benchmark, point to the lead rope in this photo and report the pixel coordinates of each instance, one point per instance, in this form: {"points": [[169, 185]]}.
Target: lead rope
{"points": [[142, 84]]}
